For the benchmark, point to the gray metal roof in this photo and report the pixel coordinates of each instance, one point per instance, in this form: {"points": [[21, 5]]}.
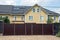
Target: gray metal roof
{"points": [[20, 9], [48, 12], [9, 9], [5, 9]]}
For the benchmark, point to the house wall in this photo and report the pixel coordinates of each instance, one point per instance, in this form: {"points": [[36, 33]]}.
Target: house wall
{"points": [[18, 19], [36, 16], [11, 18]]}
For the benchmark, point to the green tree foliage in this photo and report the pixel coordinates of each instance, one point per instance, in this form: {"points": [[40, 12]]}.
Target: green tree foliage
{"points": [[5, 19], [50, 20], [58, 34]]}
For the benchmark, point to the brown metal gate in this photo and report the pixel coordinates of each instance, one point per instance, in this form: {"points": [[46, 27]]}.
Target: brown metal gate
{"points": [[28, 29]]}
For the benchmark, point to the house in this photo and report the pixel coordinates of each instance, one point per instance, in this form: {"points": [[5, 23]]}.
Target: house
{"points": [[27, 14]]}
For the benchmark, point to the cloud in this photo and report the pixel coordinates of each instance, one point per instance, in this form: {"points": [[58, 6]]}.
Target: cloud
{"points": [[32, 2], [57, 10], [7, 2]]}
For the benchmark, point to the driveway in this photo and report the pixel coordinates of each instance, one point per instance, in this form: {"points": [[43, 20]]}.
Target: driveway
{"points": [[30, 37]]}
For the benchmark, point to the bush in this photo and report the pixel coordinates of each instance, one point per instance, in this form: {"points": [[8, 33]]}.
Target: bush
{"points": [[6, 20], [58, 34]]}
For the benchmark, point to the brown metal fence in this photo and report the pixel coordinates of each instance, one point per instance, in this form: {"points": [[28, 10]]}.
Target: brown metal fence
{"points": [[28, 29]]}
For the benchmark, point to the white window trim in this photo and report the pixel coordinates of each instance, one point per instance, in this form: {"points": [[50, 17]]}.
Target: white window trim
{"points": [[38, 10], [30, 19], [41, 19], [22, 18], [33, 10], [14, 18]]}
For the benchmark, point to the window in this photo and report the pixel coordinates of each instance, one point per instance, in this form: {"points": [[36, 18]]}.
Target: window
{"points": [[22, 17], [14, 18], [4, 16], [33, 10], [38, 10], [15, 7], [30, 17], [41, 18]]}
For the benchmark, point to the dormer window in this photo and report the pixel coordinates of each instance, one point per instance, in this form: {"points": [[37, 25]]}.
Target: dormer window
{"points": [[16, 8], [38, 10], [33, 9]]}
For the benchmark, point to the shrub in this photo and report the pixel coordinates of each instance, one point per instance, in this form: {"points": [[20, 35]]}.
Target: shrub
{"points": [[6, 20], [58, 34]]}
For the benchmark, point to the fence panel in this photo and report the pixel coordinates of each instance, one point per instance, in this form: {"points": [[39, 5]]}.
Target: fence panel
{"points": [[8, 29], [28, 29], [37, 29], [1, 27], [47, 29], [19, 29]]}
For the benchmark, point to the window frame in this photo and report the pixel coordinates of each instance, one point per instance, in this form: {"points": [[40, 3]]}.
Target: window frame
{"points": [[54, 17], [41, 18], [14, 18], [33, 9], [31, 18], [22, 18], [38, 10]]}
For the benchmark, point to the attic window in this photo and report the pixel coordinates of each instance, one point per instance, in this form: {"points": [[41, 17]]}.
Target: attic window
{"points": [[33, 10], [16, 8], [38, 10]]}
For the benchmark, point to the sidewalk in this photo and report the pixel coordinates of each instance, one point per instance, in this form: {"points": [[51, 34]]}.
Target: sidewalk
{"points": [[32, 37]]}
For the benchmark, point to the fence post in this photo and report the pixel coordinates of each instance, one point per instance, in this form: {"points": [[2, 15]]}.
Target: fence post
{"points": [[25, 29], [14, 28], [53, 29], [31, 29], [3, 27], [42, 30]]}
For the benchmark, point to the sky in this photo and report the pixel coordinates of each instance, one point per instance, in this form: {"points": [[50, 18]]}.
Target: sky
{"points": [[53, 5]]}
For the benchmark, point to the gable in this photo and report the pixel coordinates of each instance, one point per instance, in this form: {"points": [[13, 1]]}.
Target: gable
{"points": [[41, 12]]}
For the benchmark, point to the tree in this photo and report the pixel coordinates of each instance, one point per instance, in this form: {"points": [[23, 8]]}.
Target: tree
{"points": [[6, 20], [50, 20]]}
